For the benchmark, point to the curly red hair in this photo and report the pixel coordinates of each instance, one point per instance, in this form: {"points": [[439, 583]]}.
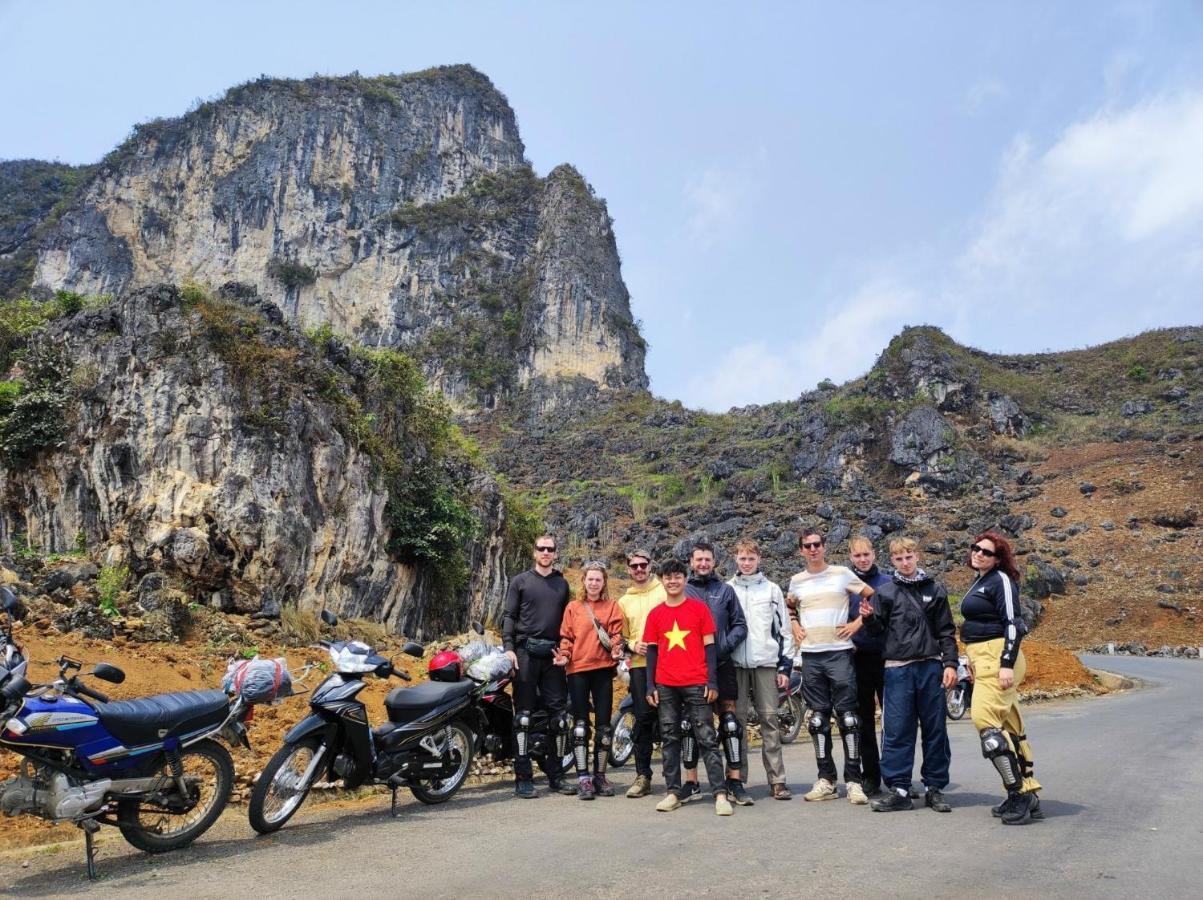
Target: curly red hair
{"points": [[1002, 552]]}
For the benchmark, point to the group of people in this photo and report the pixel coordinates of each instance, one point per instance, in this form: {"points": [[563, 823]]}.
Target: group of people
{"points": [[702, 650]]}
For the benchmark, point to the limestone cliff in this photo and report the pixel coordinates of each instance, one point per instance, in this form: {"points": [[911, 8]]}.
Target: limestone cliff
{"points": [[399, 210]]}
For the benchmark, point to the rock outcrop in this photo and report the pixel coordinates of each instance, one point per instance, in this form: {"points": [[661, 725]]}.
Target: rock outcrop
{"points": [[399, 211]]}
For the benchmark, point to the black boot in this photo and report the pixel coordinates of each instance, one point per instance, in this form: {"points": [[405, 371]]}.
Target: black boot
{"points": [[1017, 809]]}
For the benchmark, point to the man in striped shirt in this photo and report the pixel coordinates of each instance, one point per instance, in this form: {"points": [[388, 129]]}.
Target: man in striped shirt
{"points": [[824, 635]]}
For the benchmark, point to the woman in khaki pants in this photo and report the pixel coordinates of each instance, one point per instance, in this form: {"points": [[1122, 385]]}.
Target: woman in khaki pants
{"points": [[992, 632]]}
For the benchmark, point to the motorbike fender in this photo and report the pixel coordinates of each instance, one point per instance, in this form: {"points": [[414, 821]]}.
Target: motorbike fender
{"points": [[307, 726]]}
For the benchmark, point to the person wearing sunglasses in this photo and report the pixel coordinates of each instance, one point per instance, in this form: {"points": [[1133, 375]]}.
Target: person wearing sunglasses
{"points": [[530, 632], [824, 634], [992, 632], [645, 594]]}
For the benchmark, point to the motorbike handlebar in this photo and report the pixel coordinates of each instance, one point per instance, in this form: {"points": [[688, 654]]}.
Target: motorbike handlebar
{"points": [[14, 690], [89, 692]]}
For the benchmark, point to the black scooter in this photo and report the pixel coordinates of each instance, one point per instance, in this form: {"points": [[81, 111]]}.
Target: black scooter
{"points": [[426, 745]]}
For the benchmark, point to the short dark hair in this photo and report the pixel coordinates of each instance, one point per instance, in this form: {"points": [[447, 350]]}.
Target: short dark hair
{"points": [[811, 532], [704, 546], [672, 567]]}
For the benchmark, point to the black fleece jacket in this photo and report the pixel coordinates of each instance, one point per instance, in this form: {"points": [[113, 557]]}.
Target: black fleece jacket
{"points": [[915, 619]]}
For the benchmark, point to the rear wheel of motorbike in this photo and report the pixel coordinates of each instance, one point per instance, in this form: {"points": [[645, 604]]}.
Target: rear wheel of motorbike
{"points": [[790, 715], [955, 701], [622, 742], [282, 787], [440, 790], [175, 822]]}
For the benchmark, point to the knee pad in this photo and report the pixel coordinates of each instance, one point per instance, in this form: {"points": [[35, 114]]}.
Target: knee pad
{"points": [[561, 725], [819, 726], [850, 735], [522, 721], [605, 737], [731, 733], [997, 749], [580, 732], [580, 745], [689, 745]]}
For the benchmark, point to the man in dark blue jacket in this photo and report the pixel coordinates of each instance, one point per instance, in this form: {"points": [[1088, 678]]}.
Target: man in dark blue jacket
{"points": [[870, 667], [913, 615], [730, 631]]}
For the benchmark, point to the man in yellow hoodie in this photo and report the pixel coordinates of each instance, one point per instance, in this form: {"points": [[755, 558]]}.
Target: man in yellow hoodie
{"points": [[645, 594]]}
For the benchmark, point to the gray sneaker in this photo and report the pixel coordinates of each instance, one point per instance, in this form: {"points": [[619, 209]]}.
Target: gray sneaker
{"points": [[641, 788]]}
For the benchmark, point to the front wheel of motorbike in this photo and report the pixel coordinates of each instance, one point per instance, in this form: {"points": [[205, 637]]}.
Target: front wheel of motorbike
{"points": [[955, 701], [790, 715], [282, 785], [440, 790], [163, 820], [622, 741]]}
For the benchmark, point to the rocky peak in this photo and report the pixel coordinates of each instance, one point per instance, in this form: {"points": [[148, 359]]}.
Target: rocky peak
{"points": [[399, 211]]}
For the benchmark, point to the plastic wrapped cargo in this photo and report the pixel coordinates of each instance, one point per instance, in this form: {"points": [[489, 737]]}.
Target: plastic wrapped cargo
{"points": [[258, 680], [489, 667]]}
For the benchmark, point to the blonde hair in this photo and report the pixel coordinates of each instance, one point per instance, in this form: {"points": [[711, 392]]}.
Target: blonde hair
{"points": [[747, 545], [595, 566], [859, 541], [903, 545]]}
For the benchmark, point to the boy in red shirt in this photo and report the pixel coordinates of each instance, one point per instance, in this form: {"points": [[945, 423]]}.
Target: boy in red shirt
{"points": [[682, 675]]}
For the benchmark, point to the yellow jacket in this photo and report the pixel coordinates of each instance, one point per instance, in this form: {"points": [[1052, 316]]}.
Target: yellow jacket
{"points": [[636, 603]]}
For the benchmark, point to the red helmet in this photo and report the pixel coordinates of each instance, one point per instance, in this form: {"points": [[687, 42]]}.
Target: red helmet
{"points": [[446, 666]]}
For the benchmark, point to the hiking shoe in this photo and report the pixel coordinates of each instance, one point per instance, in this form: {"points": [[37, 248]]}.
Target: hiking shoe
{"points": [[823, 790], [738, 793], [1037, 812], [892, 801], [781, 792], [641, 788], [584, 788], [722, 806], [525, 788], [561, 786], [935, 799], [690, 791], [602, 787], [1017, 810], [856, 794], [669, 803]]}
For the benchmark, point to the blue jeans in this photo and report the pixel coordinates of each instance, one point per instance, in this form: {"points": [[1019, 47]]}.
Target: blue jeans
{"points": [[914, 699]]}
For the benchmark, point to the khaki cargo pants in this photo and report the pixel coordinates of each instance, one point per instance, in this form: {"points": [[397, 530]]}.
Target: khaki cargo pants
{"points": [[995, 708]]}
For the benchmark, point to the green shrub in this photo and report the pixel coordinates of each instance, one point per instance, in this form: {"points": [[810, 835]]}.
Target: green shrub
{"points": [[1136, 372], [110, 587], [291, 273], [844, 411]]}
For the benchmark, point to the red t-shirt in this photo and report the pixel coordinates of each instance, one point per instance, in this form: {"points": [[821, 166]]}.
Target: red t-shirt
{"points": [[677, 631]]}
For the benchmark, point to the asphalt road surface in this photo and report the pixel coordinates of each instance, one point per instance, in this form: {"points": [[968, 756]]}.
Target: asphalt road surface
{"points": [[1123, 783]]}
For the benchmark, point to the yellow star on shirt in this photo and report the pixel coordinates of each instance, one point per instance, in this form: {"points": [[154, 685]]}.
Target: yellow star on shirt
{"points": [[676, 637]]}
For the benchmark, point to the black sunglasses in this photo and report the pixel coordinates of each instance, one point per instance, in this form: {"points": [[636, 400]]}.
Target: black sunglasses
{"points": [[977, 548], [641, 565], [546, 549], [813, 545]]}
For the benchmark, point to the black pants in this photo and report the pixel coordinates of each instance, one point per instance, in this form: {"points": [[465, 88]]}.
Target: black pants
{"points": [[870, 687], [539, 684], [596, 685], [676, 704], [829, 683], [646, 718]]}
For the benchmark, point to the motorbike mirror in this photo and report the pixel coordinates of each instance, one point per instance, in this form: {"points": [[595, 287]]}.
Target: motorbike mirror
{"points": [[108, 673], [413, 648], [8, 600], [329, 618]]}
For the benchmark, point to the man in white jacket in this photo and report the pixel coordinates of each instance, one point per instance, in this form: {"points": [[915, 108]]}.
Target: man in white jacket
{"points": [[762, 665]]}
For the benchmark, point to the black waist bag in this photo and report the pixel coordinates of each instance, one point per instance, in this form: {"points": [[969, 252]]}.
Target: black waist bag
{"points": [[540, 648]]}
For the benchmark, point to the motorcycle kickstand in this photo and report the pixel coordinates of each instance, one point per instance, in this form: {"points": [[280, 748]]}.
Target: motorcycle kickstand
{"points": [[90, 828], [393, 807]]}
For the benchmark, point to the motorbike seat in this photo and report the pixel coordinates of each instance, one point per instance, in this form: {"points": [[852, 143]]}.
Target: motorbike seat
{"points": [[149, 720], [403, 703]]}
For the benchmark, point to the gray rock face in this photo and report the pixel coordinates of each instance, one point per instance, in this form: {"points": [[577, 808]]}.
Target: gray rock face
{"points": [[919, 439], [1006, 417], [400, 211], [170, 467]]}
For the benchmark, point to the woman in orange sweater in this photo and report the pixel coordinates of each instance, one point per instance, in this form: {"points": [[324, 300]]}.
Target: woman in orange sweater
{"points": [[590, 647]]}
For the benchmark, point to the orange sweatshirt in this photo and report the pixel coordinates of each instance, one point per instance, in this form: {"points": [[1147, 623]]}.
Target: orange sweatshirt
{"points": [[578, 637]]}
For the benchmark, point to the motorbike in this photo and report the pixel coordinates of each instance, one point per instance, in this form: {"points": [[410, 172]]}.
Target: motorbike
{"points": [[495, 722], [789, 717], [426, 745], [959, 697], [150, 766]]}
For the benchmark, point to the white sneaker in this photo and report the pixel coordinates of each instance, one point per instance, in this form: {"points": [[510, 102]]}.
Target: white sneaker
{"points": [[669, 803], [823, 790], [856, 794], [722, 806]]}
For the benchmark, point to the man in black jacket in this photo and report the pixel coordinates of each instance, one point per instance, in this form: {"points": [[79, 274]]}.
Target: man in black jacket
{"points": [[730, 630], [530, 631], [920, 662]]}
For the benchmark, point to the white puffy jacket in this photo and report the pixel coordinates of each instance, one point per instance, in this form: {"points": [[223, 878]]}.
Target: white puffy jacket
{"points": [[769, 641]]}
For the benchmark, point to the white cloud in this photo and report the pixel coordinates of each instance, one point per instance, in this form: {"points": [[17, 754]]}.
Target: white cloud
{"points": [[717, 199]]}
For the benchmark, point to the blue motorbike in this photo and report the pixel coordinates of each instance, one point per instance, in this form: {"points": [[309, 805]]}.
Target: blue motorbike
{"points": [[150, 766]]}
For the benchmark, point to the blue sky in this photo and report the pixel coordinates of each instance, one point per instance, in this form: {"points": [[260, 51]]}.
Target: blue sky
{"points": [[790, 183]]}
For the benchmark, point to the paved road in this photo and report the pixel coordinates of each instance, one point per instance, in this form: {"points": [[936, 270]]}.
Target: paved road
{"points": [[1123, 779]]}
